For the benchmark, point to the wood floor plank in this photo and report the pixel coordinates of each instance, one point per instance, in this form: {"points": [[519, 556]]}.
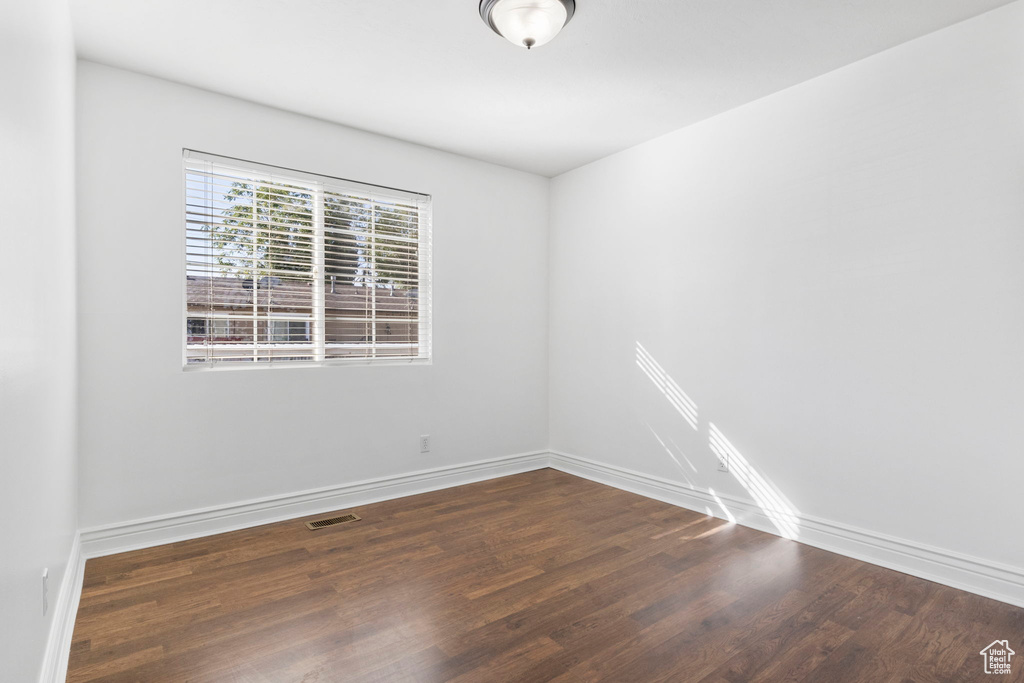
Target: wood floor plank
{"points": [[539, 576]]}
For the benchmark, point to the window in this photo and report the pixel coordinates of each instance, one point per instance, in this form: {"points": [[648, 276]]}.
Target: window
{"points": [[285, 266]]}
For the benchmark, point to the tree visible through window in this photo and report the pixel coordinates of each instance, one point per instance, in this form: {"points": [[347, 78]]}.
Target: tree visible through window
{"points": [[289, 266]]}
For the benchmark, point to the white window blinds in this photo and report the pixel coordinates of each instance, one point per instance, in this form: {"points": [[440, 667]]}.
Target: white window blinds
{"points": [[285, 266]]}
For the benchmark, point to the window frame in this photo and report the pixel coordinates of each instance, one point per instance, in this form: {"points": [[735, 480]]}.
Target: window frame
{"points": [[424, 320]]}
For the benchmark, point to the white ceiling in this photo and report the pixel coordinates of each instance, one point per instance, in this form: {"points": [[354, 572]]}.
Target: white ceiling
{"points": [[431, 72]]}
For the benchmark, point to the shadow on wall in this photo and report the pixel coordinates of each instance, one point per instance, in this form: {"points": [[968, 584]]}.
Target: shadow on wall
{"points": [[771, 501]]}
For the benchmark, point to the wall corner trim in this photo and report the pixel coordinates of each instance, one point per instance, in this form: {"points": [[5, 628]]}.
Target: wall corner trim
{"points": [[58, 644], [957, 570]]}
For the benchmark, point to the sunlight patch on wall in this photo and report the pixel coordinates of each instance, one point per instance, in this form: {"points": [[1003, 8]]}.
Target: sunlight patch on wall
{"points": [[765, 495], [672, 454], [666, 385], [725, 510]]}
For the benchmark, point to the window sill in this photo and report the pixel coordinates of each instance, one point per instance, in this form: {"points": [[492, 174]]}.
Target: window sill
{"points": [[280, 365]]}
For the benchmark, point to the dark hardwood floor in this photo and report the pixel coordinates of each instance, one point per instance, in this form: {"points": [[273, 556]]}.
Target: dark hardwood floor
{"points": [[535, 577]]}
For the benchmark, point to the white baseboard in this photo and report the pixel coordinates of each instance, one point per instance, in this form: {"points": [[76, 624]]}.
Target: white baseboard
{"points": [[58, 644], [145, 533], [993, 580], [975, 575]]}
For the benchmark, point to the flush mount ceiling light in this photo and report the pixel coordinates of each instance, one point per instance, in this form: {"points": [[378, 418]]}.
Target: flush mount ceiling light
{"points": [[527, 23]]}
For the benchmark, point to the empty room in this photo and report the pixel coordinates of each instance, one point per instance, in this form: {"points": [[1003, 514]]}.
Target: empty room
{"points": [[511, 340]]}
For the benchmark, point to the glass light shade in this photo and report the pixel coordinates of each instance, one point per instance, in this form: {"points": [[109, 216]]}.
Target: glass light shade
{"points": [[528, 23]]}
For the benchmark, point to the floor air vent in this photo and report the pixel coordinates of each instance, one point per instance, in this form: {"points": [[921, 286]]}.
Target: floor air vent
{"points": [[321, 523]]}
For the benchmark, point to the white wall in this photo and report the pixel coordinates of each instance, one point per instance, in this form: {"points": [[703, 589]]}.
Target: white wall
{"points": [[155, 439], [37, 324], [833, 275]]}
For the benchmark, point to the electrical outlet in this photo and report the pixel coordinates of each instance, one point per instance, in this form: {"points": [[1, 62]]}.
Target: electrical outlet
{"points": [[723, 465], [425, 443], [46, 576]]}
